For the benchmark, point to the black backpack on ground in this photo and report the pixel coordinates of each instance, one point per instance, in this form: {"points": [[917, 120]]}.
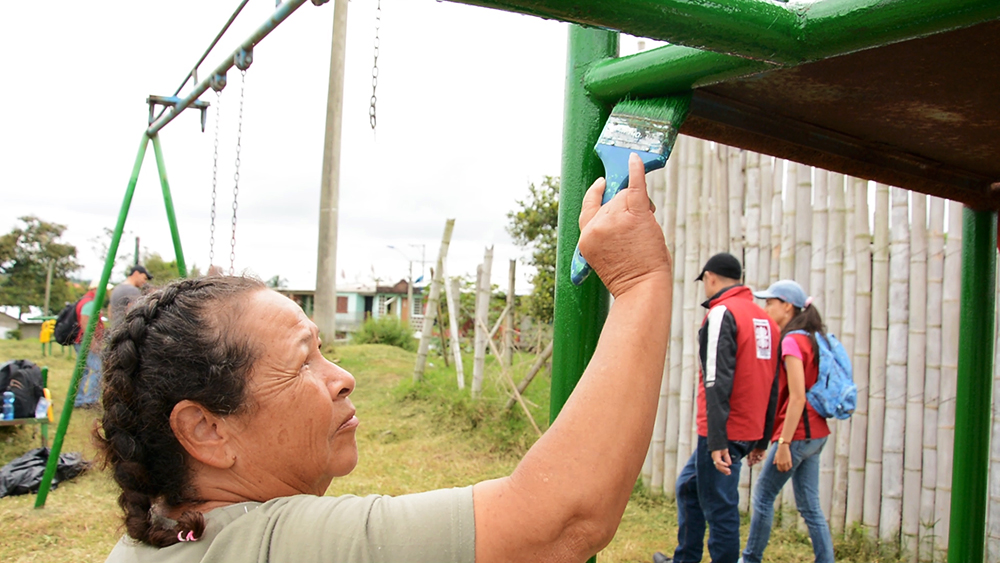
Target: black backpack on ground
{"points": [[67, 325], [24, 379]]}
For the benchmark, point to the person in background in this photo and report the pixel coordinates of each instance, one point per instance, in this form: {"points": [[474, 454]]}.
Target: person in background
{"points": [[127, 291], [799, 431], [88, 392], [737, 343]]}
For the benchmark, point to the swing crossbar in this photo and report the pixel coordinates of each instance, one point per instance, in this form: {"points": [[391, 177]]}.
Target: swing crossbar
{"points": [[280, 14]]}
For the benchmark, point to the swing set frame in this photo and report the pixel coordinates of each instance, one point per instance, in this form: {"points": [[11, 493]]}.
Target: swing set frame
{"points": [[241, 58], [715, 42]]}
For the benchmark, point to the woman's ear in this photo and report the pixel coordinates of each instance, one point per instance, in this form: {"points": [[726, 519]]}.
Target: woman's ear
{"points": [[205, 436]]}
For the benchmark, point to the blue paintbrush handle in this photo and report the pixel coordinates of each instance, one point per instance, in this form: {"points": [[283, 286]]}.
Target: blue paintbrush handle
{"points": [[615, 161]]}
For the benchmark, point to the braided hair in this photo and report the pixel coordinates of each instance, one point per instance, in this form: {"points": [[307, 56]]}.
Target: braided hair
{"points": [[176, 343]]}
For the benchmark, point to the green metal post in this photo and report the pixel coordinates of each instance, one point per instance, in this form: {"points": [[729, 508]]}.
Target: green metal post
{"points": [[579, 311], [974, 397], [88, 334], [168, 202]]}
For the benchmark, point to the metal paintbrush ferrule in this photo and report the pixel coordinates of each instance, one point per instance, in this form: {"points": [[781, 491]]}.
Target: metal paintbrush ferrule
{"points": [[638, 134]]}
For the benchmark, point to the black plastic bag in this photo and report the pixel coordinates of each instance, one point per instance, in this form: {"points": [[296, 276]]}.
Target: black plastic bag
{"points": [[24, 474]]}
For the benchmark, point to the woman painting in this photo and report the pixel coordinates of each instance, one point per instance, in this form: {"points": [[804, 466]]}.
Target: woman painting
{"points": [[799, 432], [224, 426]]}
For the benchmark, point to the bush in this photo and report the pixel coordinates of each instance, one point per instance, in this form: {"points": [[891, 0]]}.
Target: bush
{"points": [[386, 330], [14, 334]]}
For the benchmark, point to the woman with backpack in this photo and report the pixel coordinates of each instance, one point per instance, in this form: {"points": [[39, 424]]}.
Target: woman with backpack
{"points": [[800, 433]]}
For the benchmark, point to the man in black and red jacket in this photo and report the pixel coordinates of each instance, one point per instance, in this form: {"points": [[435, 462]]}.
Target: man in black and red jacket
{"points": [[736, 391]]}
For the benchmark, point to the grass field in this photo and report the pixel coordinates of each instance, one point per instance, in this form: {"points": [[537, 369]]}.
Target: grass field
{"points": [[412, 438]]}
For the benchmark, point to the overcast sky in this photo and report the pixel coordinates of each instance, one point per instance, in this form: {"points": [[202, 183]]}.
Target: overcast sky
{"points": [[469, 113]]}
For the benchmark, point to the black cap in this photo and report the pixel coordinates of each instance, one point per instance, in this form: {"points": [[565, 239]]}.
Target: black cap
{"points": [[141, 270], [723, 264]]}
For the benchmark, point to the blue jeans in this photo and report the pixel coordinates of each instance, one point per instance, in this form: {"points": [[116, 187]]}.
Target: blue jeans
{"points": [[805, 481], [89, 390], [705, 496]]}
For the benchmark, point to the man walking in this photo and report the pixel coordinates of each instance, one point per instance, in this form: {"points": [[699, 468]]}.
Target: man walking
{"points": [[126, 292], [738, 357]]}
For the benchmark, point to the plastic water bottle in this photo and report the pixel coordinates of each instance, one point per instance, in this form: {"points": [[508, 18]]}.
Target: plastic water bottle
{"points": [[8, 405]]}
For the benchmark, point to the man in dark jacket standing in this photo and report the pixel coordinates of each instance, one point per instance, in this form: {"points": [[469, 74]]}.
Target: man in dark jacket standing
{"points": [[738, 356]]}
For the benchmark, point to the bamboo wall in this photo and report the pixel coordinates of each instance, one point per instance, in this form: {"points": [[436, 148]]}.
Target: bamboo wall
{"points": [[885, 277]]}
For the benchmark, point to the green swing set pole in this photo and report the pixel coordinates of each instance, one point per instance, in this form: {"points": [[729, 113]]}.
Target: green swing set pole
{"points": [[81, 359], [580, 311], [974, 397], [168, 202]]}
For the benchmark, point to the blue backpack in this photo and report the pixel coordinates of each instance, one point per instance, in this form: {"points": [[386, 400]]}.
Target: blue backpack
{"points": [[834, 395]]}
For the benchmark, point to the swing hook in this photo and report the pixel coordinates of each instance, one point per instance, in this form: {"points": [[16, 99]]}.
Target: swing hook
{"points": [[217, 82], [243, 59]]}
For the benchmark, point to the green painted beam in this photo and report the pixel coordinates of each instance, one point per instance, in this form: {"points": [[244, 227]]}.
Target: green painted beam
{"points": [[973, 393], [88, 333], [713, 41], [664, 71], [753, 28]]}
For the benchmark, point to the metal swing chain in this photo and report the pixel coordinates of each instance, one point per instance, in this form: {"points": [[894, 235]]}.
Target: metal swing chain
{"points": [[371, 109], [215, 176], [236, 175]]}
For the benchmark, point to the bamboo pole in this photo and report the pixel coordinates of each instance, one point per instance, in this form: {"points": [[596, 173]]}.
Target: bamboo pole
{"points": [[691, 270], [915, 370], [719, 199], [894, 427], [817, 289], [834, 317], [786, 270], [658, 462], [483, 291], [508, 331], [506, 376], [876, 376], [671, 456], [803, 226], [751, 252], [766, 195], [777, 216], [437, 283], [862, 352], [951, 292], [452, 298], [736, 188], [932, 378], [536, 367]]}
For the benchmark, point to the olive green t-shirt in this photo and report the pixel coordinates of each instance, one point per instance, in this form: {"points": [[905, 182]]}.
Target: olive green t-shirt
{"points": [[432, 527]]}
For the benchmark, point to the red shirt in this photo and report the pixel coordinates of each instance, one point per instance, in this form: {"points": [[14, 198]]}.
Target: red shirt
{"points": [[817, 424], [99, 330]]}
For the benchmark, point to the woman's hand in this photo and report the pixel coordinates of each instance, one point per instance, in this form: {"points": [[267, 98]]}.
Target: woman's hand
{"points": [[783, 458], [755, 456], [621, 240]]}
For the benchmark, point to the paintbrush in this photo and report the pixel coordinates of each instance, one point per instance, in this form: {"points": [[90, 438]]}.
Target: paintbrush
{"points": [[646, 127]]}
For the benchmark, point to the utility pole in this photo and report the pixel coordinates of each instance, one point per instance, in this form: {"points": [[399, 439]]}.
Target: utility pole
{"points": [[325, 312]]}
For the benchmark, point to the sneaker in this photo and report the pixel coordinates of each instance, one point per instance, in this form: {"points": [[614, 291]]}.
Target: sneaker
{"points": [[661, 558]]}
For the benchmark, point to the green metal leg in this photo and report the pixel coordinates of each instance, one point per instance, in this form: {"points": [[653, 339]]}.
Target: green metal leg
{"points": [[168, 202], [579, 311], [974, 397], [81, 359]]}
